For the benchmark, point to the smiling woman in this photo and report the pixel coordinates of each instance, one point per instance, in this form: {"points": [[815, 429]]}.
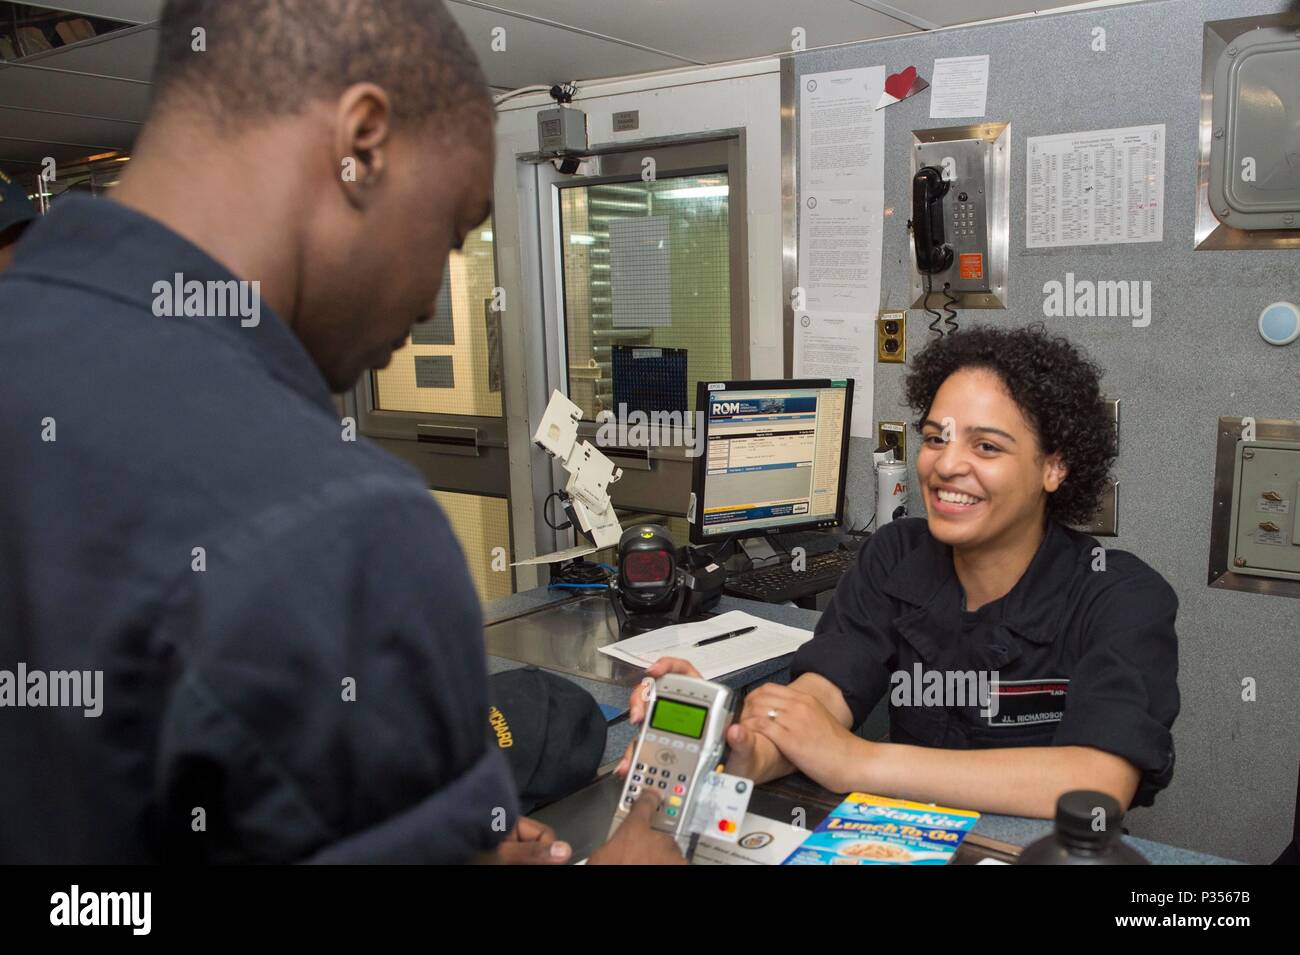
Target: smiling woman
{"points": [[1013, 431], [1056, 395], [1074, 644]]}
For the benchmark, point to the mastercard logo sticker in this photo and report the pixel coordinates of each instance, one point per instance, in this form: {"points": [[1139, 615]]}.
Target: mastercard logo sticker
{"points": [[726, 825]]}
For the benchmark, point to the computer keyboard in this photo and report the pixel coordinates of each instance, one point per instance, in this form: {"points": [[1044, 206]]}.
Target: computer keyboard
{"points": [[780, 582]]}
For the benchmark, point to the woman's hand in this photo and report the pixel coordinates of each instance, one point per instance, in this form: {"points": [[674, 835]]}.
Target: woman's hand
{"points": [[806, 734], [753, 756], [641, 695]]}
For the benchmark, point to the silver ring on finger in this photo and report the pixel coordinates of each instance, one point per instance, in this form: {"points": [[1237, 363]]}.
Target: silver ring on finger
{"points": [[772, 714]]}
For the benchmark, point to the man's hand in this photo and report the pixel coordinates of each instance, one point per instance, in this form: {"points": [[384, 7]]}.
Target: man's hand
{"points": [[806, 734], [532, 843], [636, 843]]}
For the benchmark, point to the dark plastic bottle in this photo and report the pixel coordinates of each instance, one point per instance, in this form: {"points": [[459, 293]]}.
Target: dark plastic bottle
{"points": [[1079, 840]]}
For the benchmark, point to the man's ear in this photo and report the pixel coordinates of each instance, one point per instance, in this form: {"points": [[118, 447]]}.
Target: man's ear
{"points": [[362, 134], [1054, 473]]}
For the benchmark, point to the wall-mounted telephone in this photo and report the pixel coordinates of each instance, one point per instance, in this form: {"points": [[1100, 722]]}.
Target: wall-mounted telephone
{"points": [[933, 254], [960, 221]]}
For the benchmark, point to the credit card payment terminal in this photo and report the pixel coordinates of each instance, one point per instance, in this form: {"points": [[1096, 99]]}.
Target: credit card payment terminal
{"points": [[682, 740]]}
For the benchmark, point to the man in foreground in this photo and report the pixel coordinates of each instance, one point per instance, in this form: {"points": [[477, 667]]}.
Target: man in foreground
{"points": [[254, 639]]}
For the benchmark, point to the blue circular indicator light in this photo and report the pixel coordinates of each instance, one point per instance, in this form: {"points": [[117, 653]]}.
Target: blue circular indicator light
{"points": [[1279, 323]]}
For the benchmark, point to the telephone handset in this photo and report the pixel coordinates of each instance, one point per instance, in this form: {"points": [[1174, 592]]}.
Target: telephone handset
{"points": [[933, 254]]}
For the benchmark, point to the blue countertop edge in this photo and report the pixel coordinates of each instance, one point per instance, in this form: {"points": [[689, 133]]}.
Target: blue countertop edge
{"points": [[1016, 830]]}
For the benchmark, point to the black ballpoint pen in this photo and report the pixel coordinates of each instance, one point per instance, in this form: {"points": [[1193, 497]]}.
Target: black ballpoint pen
{"points": [[725, 636]]}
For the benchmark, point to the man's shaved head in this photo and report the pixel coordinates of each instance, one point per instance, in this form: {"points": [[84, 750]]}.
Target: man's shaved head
{"points": [[336, 151], [258, 59]]}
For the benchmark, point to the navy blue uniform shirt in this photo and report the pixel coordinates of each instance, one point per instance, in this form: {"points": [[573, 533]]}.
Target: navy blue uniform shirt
{"points": [[224, 734], [1084, 656]]}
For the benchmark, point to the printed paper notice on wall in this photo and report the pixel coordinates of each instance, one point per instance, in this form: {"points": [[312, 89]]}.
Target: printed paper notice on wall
{"points": [[840, 230], [840, 239], [841, 190], [1095, 188], [961, 87], [831, 345], [841, 136]]}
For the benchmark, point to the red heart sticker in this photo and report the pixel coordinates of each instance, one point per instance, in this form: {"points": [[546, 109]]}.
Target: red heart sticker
{"points": [[900, 84]]}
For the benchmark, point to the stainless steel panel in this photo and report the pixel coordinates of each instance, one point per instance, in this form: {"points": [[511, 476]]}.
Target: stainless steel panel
{"points": [[565, 638], [1262, 466], [1210, 232], [1105, 522], [665, 489], [789, 211], [1225, 460], [629, 459], [982, 152], [448, 440], [486, 473], [738, 247]]}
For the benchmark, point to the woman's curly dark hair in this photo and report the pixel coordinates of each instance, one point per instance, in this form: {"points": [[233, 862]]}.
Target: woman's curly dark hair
{"points": [[1057, 388]]}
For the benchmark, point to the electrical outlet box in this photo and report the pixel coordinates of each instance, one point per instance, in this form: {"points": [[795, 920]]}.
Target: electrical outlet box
{"points": [[562, 131], [891, 336], [1264, 538], [1105, 520], [893, 434], [1254, 176], [1248, 174]]}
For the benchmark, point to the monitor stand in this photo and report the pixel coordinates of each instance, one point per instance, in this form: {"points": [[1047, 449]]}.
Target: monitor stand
{"points": [[757, 548]]}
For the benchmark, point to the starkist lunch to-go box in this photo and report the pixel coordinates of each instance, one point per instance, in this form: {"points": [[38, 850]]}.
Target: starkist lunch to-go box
{"points": [[876, 830]]}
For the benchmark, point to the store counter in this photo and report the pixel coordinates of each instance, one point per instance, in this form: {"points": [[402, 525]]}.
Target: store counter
{"points": [[562, 633]]}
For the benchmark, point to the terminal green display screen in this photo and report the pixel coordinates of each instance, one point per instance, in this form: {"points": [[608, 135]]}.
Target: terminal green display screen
{"points": [[681, 718]]}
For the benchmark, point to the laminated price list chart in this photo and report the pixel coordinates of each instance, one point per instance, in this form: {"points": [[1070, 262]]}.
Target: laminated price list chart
{"points": [[1096, 188]]}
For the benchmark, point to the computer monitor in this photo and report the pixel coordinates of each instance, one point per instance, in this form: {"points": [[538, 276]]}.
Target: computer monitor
{"points": [[774, 457]]}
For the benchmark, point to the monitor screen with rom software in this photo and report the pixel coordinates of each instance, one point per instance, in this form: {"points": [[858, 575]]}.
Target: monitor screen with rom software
{"points": [[774, 457]]}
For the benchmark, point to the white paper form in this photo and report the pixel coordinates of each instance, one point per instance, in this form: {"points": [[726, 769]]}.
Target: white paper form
{"points": [[1095, 188], [832, 345], [839, 251], [767, 641], [841, 183], [959, 87], [841, 135], [841, 227]]}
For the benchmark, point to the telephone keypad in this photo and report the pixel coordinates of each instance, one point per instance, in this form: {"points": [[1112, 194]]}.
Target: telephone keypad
{"points": [[964, 216]]}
